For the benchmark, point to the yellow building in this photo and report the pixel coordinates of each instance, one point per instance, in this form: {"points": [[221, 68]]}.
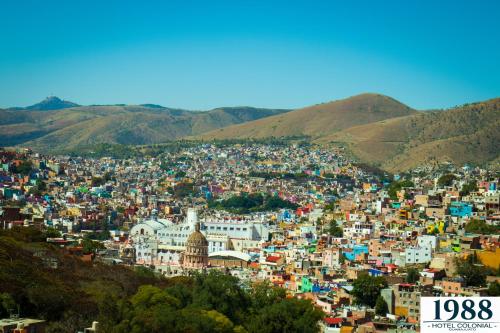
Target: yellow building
{"points": [[490, 258]]}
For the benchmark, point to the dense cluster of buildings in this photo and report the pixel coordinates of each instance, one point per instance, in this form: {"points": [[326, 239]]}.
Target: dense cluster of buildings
{"points": [[348, 221]]}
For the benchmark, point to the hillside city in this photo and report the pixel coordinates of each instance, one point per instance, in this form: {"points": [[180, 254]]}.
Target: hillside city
{"points": [[246, 236]]}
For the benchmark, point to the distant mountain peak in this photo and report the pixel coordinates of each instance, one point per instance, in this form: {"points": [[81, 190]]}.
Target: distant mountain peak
{"points": [[51, 103], [153, 106]]}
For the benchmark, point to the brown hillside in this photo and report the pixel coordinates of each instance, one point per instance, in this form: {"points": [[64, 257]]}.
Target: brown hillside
{"points": [[318, 120], [68, 129], [467, 134]]}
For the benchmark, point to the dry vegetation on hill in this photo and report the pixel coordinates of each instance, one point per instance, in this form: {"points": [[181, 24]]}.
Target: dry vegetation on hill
{"points": [[467, 134], [318, 120]]}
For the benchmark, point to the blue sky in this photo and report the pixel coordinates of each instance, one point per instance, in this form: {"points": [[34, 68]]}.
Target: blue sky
{"points": [[204, 54]]}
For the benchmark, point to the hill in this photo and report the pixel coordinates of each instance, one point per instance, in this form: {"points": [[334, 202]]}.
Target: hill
{"points": [[381, 131], [49, 103], [466, 134], [40, 280], [318, 120], [69, 128]]}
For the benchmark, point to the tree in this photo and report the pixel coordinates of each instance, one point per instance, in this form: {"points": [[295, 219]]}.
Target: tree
{"points": [[7, 304], [287, 315], [412, 275], [446, 180], [52, 233], [98, 181], [39, 189], [264, 294], [330, 207], [334, 230], [381, 307], [367, 289], [246, 203], [396, 186], [481, 227], [182, 190], [220, 292], [471, 270], [24, 168], [90, 246], [494, 289], [468, 188]]}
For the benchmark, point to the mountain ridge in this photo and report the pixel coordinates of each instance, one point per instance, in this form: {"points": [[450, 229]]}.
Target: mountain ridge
{"points": [[48, 104], [463, 134], [400, 139], [375, 128], [319, 119], [68, 128]]}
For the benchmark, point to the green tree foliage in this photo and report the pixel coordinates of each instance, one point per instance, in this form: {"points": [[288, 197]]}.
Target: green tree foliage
{"points": [[446, 180], [330, 207], [123, 300], [91, 246], [412, 275], [481, 227], [39, 189], [381, 307], [396, 186], [24, 168], [494, 289], [222, 293], [183, 190], [52, 233], [180, 174], [288, 315], [334, 229], [472, 271], [67, 296], [7, 305], [145, 272], [212, 302], [367, 289], [274, 175], [98, 181], [263, 294], [252, 202], [468, 188]]}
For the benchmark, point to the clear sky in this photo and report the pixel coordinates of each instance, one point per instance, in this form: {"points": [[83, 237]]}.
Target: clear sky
{"points": [[204, 54]]}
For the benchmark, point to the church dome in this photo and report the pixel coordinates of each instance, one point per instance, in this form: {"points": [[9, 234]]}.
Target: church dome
{"points": [[196, 254], [196, 238]]}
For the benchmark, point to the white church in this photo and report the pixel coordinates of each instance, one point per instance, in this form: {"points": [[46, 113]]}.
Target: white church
{"points": [[160, 242]]}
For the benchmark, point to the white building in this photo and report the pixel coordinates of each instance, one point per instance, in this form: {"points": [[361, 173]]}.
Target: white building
{"points": [[359, 229], [427, 240], [159, 242], [418, 255]]}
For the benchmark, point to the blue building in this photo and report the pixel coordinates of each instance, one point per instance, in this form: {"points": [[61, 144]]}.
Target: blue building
{"points": [[356, 250], [460, 209]]}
